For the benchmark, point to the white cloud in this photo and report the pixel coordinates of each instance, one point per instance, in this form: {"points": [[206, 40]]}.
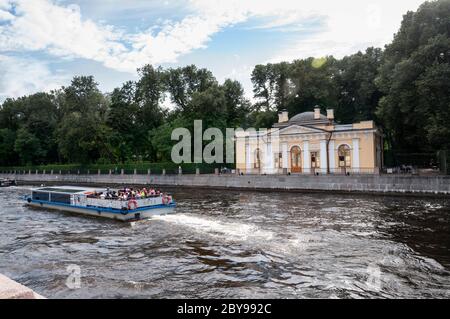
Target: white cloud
{"points": [[174, 39], [346, 26], [44, 25], [350, 26], [62, 31], [5, 16], [20, 77]]}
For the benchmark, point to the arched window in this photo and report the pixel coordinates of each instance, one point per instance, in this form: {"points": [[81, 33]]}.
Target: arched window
{"points": [[296, 160], [344, 156], [257, 163]]}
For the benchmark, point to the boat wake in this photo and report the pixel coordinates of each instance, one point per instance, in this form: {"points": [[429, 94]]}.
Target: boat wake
{"points": [[229, 230], [274, 243]]}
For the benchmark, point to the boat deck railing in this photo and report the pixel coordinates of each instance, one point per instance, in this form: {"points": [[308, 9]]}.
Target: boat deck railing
{"points": [[120, 204]]}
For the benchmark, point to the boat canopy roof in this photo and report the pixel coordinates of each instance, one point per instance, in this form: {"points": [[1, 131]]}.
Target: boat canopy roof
{"points": [[70, 190]]}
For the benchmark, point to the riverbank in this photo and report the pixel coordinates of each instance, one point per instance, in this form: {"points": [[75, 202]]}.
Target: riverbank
{"points": [[9, 289], [382, 184]]}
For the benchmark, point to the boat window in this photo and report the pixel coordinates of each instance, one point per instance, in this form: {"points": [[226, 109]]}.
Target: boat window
{"points": [[62, 190], [41, 196], [60, 198]]}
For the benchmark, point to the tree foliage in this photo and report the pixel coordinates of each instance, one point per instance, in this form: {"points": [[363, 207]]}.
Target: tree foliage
{"points": [[79, 124], [82, 133], [414, 78]]}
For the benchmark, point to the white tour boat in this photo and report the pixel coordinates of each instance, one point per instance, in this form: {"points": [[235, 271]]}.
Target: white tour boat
{"points": [[82, 200]]}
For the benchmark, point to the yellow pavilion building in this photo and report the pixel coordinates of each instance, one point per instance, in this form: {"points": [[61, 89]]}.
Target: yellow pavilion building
{"points": [[310, 143]]}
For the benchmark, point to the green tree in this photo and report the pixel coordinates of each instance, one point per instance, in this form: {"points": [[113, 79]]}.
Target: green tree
{"points": [[29, 148], [283, 85], [237, 106], [358, 94], [122, 119], [414, 78], [314, 83], [149, 115], [82, 134], [8, 156], [263, 79], [161, 138], [12, 114], [36, 114], [262, 119], [182, 83], [296, 86], [210, 106], [41, 118]]}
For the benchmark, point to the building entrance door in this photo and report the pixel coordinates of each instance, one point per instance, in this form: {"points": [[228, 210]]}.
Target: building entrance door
{"points": [[296, 162], [315, 162]]}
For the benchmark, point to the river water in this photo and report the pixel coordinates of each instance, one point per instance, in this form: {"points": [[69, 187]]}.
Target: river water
{"points": [[230, 244]]}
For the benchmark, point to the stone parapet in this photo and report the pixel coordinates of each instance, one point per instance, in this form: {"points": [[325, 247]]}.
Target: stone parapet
{"points": [[437, 185], [9, 289]]}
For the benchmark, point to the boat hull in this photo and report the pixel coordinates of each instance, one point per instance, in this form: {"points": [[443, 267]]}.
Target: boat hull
{"points": [[126, 216]]}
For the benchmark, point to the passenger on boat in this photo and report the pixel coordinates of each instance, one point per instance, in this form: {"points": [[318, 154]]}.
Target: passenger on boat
{"points": [[127, 194]]}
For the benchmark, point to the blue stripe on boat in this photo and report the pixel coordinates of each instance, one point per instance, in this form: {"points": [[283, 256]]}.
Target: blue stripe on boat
{"points": [[106, 209]]}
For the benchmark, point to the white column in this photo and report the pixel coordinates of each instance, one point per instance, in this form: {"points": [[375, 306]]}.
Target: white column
{"points": [[323, 156], [285, 155], [248, 157], [332, 155], [269, 158], [355, 155], [306, 157]]}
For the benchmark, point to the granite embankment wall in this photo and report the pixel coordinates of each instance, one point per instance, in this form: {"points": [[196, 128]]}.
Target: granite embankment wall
{"points": [[438, 185], [9, 289]]}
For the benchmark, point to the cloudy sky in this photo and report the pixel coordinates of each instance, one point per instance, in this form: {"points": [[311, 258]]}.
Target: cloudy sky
{"points": [[44, 43]]}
